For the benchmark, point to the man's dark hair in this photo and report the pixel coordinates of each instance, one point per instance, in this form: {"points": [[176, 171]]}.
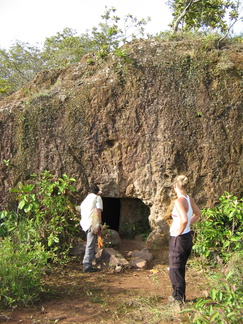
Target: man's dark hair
{"points": [[93, 188]]}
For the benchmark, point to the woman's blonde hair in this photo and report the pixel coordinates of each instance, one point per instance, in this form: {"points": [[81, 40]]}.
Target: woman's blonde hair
{"points": [[181, 181]]}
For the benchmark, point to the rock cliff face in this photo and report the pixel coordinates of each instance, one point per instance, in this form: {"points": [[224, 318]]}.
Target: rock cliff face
{"points": [[132, 124]]}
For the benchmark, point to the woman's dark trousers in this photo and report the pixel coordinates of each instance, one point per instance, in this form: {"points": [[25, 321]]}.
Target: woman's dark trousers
{"points": [[179, 251]]}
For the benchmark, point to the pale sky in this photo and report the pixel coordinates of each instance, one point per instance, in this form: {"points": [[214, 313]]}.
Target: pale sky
{"points": [[33, 20]]}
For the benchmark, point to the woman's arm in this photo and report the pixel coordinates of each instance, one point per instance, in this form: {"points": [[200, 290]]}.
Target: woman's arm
{"points": [[196, 211]]}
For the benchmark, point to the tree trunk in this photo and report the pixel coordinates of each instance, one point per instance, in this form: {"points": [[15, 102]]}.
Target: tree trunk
{"points": [[182, 15]]}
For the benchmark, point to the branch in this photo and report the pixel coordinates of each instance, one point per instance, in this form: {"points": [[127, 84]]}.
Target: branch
{"points": [[235, 20], [182, 15], [227, 32]]}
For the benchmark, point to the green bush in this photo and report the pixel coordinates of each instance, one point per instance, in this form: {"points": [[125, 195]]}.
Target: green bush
{"points": [[40, 231], [46, 210], [235, 265], [220, 231], [224, 304], [21, 270], [218, 238]]}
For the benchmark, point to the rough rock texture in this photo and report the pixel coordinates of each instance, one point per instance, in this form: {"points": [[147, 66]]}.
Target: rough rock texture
{"points": [[111, 239], [132, 124], [110, 257]]}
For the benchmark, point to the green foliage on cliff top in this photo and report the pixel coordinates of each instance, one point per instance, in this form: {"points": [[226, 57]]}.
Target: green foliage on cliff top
{"points": [[22, 61]]}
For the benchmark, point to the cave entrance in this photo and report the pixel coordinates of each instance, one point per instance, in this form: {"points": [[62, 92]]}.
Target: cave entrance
{"points": [[127, 216]]}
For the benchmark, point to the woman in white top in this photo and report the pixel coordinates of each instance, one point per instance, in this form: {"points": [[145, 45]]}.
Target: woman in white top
{"points": [[185, 213]]}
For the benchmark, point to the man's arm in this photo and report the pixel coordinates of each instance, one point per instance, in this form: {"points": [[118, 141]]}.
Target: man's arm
{"points": [[99, 211]]}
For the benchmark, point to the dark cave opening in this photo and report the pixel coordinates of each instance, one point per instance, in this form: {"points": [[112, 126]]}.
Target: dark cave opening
{"points": [[111, 212], [127, 216]]}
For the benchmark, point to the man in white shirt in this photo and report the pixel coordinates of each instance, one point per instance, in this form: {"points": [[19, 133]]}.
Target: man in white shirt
{"points": [[92, 202]]}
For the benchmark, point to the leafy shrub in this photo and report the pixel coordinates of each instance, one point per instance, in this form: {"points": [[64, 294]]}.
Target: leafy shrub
{"points": [[220, 231], [235, 265], [224, 305], [40, 230], [21, 270], [219, 238], [46, 213]]}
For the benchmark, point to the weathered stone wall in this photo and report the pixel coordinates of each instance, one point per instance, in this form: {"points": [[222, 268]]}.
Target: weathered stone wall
{"points": [[132, 126]]}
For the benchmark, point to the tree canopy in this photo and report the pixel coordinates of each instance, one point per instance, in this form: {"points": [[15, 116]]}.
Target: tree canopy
{"points": [[22, 61], [204, 14]]}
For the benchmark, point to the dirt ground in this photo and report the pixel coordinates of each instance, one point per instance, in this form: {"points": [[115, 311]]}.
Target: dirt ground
{"points": [[129, 296]]}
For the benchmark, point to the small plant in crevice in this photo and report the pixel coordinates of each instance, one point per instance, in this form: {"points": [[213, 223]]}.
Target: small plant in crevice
{"points": [[90, 62], [199, 114], [103, 53], [122, 53], [6, 162]]}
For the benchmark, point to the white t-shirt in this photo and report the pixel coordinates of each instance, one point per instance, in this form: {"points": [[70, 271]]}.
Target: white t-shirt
{"points": [[87, 208]]}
